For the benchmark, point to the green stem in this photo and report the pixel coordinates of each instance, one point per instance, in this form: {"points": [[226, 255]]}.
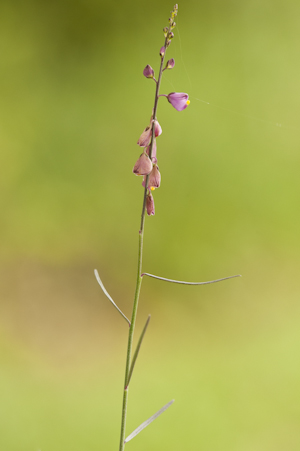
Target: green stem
{"points": [[139, 270]]}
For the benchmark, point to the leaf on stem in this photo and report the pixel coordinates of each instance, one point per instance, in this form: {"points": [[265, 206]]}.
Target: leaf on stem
{"points": [[108, 296], [147, 422], [137, 351], [189, 283]]}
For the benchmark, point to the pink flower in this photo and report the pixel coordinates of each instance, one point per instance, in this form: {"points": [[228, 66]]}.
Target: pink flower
{"points": [[145, 137], [153, 156], [148, 72], [162, 51], [143, 166], [150, 204], [153, 179], [179, 100]]}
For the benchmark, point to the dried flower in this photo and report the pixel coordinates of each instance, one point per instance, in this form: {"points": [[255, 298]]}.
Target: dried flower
{"points": [[158, 129], [148, 72], [153, 156], [143, 166], [179, 100], [150, 204], [153, 179], [145, 137]]}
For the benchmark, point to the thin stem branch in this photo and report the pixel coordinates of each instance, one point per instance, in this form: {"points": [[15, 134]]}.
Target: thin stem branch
{"points": [[139, 269], [189, 283]]}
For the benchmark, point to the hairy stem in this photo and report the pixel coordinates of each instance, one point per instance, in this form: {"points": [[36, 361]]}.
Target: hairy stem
{"points": [[139, 269]]}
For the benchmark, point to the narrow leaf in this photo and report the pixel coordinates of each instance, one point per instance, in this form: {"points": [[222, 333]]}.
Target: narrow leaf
{"points": [[137, 351], [147, 422], [108, 296], [188, 283]]}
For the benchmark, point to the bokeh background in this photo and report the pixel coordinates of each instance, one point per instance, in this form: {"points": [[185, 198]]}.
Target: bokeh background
{"points": [[73, 104]]}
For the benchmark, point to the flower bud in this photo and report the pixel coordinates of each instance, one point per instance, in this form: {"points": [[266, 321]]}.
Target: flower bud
{"points": [[171, 35], [145, 137], [165, 30], [143, 166], [170, 64], [179, 100], [148, 72], [150, 204], [162, 51]]}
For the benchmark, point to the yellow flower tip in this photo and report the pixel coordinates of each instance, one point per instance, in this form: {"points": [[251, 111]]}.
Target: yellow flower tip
{"points": [[188, 102], [152, 188]]}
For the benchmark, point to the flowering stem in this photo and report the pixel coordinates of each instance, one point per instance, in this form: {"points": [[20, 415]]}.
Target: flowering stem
{"points": [[139, 269]]}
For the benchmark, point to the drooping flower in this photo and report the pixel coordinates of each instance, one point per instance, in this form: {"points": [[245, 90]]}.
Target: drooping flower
{"points": [[153, 179], [150, 204], [148, 72], [145, 137], [179, 100], [153, 156], [170, 64], [143, 166]]}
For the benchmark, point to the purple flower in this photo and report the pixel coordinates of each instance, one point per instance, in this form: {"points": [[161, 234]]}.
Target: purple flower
{"points": [[153, 156], [148, 72], [150, 204], [170, 64], [179, 100], [143, 166], [162, 51], [145, 137], [154, 178]]}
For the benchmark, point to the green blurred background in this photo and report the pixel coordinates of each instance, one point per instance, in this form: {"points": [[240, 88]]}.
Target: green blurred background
{"points": [[73, 104]]}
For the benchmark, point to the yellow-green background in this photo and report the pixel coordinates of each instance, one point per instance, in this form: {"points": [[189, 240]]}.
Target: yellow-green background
{"points": [[73, 104]]}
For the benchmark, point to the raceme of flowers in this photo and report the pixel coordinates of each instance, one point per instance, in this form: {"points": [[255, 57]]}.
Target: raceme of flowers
{"points": [[146, 164]]}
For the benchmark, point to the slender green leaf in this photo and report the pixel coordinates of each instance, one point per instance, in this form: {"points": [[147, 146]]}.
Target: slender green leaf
{"points": [[147, 422], [189, 283], [108, 296], [137, 351]]}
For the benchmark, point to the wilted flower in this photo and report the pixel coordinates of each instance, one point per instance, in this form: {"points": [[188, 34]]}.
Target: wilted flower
{"points": [[153, 179], [158, 129], [153, 156], [170, 64], [179, 100], [148, 72], [150, 204], [143, 166], [145, 137]]}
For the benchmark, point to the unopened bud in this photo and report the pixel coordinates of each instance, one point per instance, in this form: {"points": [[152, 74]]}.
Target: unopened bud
{"points": [[165, 30], [162, 51], [170, 64], [148, 72]]}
